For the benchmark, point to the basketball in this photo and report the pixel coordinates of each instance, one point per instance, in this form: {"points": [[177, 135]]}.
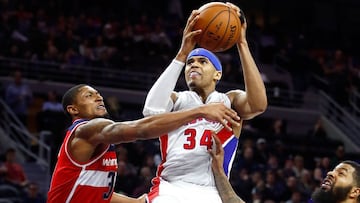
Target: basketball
{"points": [[220, 27]]}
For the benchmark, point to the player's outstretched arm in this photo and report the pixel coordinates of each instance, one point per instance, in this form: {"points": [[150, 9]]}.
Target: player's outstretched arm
{"points": [[119, 198], [155, 126], [223, 185]]}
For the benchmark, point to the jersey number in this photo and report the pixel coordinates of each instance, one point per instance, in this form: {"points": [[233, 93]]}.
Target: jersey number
{"points": [[205, 139], [111, 177]]}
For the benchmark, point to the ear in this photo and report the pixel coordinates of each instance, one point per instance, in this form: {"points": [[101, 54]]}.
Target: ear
{"points": [[217, 75], [355, 192], [72, 110]]}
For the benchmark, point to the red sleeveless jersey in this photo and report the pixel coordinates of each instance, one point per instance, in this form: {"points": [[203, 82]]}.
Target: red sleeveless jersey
{"points": [[92, 181]]}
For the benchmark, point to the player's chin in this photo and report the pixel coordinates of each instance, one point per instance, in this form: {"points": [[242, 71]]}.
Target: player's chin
{"points": [[102, 114], [192, 83]]}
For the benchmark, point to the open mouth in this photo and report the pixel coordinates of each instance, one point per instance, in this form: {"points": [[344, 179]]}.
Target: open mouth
{"points": [[326, 184], [101, 107], [194, 74]]}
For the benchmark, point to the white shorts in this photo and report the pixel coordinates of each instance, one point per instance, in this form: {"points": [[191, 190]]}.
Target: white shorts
{"points": [[181, 192]]}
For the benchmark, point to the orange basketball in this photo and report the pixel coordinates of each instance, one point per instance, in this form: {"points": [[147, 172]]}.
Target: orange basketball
{"points": [[220, 27]]}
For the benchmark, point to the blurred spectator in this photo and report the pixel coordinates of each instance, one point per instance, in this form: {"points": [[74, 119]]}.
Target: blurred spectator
{"points": [[52, 103], [288, 168], [33, 195], [280, 152], [318, 133], [246, 160], [125, 180], [278, 130], [275, 188], [258, 188], [338, 157], [318, 176], [261, 153], [325, 165], [336, 71], [149, 161], [14, 172], [273, 162], [242, 183], [144, 182], [306, 184], [18, 96], [51, 118], [295, 198], [291, 187], [299, 166]]}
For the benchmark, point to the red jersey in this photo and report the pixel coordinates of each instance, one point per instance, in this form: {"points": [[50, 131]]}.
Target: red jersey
{"points": [[15, 172], [92, 181]]}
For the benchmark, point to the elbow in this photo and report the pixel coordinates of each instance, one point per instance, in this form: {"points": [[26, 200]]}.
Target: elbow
{"points": [[256, 110], [263, 103], [260, 106], [263, 106]]}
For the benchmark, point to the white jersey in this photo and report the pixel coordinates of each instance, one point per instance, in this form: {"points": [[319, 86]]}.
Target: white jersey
{"points": [[184, 151]]}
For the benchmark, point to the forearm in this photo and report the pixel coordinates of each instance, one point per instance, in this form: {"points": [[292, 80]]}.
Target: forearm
{"points": [[254, 85], [119, 198], [155, 126], [158, 99], [148, 127], [225, 189]]}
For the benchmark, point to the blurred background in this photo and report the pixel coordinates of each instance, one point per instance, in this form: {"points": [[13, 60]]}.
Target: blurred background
{"points": [[307, 52]]}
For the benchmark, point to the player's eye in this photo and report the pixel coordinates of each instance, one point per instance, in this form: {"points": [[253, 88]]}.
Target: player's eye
{"points": [[341, 173], [189, 62], [204, 61]]}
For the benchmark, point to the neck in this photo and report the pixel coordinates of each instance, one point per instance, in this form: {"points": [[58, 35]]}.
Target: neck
{"points": [[203, 93]]}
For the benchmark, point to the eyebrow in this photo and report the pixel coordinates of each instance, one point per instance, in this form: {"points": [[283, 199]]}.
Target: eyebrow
{"points": [[200, 57], [343, 169]]}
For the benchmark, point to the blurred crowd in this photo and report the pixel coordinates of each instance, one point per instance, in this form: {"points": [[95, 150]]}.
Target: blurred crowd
{"points": [[271, 165], [141, 37]]}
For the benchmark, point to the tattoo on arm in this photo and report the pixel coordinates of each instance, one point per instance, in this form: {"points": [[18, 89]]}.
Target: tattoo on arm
{"points": [[225, 189]]}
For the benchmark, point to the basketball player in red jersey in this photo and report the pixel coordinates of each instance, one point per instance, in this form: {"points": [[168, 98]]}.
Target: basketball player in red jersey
{"points": [[86, 168], [186, 165]]}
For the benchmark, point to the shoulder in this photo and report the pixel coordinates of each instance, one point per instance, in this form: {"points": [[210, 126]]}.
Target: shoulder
{"points": [[235, 94]]}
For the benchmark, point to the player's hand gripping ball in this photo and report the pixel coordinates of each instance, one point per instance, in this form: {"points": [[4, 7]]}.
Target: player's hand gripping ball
{"points": [[220, 25]]}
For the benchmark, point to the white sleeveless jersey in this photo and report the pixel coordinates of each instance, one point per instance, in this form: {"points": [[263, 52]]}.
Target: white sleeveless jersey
{"points": [[184, 151]]}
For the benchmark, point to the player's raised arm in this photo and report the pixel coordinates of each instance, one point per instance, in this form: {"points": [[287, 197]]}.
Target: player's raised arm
{"points": [[253, 100]]}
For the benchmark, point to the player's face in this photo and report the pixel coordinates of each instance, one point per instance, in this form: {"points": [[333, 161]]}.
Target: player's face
{"points": [[336, 186], [200, 73], [89, 103]]}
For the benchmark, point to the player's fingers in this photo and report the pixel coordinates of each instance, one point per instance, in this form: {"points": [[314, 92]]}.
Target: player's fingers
{"points": [[195, 33], [234, 123], [191, 25], [242, 17], [194, 14], [232, 113], [218, 145], [233, 6], [224, 123]]}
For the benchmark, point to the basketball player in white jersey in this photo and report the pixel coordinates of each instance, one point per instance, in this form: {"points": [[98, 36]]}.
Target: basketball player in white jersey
{"points": [[86, 167], [185, 173]]}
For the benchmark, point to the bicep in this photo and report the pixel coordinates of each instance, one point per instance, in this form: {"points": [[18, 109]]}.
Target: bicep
{"points": [[240, 104], [120, 132], [92, 131]]}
